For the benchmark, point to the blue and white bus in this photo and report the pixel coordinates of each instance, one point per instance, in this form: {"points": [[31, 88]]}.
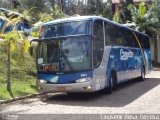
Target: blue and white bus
{"points": [[88, 54]]}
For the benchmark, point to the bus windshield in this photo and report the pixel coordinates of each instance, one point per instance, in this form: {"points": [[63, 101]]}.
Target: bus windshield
{"points": [[64, 55], [66, 29]]}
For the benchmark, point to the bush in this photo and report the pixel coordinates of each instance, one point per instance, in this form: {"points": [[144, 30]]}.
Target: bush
{"points": [[22, 72]]}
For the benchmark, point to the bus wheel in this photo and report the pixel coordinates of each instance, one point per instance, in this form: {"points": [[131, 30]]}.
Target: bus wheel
{"points": [[110, 87], [142, 77], [112, 82]]}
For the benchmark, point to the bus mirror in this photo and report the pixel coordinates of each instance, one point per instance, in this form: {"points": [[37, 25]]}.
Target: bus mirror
{"points": [[32, 48], [31, 51]]}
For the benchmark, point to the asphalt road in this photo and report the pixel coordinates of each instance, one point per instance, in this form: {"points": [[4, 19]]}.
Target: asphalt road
{"points": [[133, 97]]}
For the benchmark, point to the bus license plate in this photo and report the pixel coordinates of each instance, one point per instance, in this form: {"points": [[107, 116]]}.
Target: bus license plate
{"points": [[61, 89]]}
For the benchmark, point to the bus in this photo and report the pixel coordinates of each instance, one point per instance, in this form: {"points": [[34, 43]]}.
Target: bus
{"points": [[88, 54]]}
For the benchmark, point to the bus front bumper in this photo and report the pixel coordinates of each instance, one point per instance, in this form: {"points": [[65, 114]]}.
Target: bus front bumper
{"points": [[73, 87]]}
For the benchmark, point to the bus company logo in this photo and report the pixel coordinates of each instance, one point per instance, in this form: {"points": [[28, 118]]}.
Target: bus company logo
{"points": [[124, 55]]}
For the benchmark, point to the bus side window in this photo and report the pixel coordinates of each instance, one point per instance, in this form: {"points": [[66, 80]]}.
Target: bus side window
{"points": [[98, 43], [138, 40], [131, 41], [117, 36], [114, 35], [108, 33], [50, 32], [129, 38], [145, 42], [120, 41]]}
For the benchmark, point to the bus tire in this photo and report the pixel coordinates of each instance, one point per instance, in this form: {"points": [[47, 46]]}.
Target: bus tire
{"points": [[112, 83], [142, 77], [110, 86], [114, 75]]}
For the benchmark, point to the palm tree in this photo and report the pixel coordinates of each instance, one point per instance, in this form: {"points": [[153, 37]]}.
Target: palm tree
{"points": [[143, 19], [155, 10], [57, 12], [107, 9], [147, 21], [117, 17], [11, 42]]}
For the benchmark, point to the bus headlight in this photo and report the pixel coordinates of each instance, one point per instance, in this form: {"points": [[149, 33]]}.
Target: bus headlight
{"points": [[42, 81], [83, 80]]}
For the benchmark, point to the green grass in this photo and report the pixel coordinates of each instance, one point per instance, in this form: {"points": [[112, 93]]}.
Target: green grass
{"points": [[23, 79], [19, 88]]}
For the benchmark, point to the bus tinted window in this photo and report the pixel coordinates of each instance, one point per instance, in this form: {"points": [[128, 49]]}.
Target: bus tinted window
{"points": [[145, 42], [98, 29], [98, 43], [113, 35], [108, 37], [66, 28], [119, 36], [134, 41], [129, 39]]}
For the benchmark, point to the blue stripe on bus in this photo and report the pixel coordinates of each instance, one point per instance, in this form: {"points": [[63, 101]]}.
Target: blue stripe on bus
{"points": [[131, 63], [147, 54]]}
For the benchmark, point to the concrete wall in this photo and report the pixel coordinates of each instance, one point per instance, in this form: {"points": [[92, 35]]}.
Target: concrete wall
{"points": [[158, 46], [158, 50], [152, 51]]}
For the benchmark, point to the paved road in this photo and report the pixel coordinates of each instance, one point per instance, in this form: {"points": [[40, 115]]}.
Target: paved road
{"points": [[131, 97]]}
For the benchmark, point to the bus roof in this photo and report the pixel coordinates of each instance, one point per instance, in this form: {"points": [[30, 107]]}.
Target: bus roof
{"points": [[79, 18], [92, 18]]}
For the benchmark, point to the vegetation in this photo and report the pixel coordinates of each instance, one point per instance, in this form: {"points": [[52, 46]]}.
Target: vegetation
{"points": [[15, 46], [22, 75], [145, 19], [11, 43]]}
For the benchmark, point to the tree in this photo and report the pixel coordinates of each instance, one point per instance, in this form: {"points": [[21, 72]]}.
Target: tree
{"points": [[14, 41], [125, 14], [16, 3], [117, 17], [95, 6], [154, 14], [144, 19], [147, 21], [57, 12], [74, 7], [35, 7], [107, 9]]}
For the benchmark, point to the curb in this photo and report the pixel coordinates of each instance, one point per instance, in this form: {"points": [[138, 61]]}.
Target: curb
{"points": [[20, 98]]}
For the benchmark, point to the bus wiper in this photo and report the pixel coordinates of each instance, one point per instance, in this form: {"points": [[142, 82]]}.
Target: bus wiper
{"points": [[67, 60]]}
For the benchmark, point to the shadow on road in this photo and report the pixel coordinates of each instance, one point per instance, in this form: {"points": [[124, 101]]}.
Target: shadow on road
{"points": [[125, 94]]}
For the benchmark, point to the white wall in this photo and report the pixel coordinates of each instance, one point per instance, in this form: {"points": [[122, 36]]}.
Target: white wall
{"points": [[158, 47], [152, 51], [158, 50]]}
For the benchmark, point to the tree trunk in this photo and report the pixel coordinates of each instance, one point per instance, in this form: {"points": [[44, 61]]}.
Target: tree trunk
{"points": [[8, 69]]}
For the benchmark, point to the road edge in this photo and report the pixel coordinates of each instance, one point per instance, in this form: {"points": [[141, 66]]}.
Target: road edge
{"points": [[21, 98]]}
